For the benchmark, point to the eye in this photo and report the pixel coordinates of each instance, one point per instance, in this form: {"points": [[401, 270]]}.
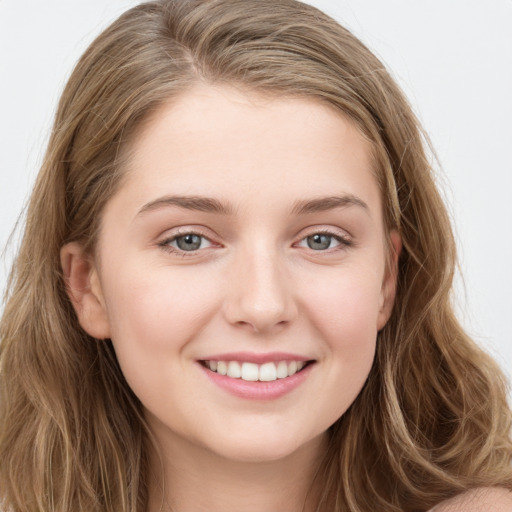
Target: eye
{"points": [[323, 242], [320, 241], [187, 242]]}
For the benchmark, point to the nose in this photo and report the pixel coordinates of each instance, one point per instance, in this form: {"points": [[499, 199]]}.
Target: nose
{"points": [[260, 294]]}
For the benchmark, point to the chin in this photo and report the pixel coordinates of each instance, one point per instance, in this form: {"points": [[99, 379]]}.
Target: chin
{"points": [[263, 447]]}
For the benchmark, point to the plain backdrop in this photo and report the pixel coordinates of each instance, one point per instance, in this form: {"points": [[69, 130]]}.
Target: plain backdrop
{"points": [[453, 58]]}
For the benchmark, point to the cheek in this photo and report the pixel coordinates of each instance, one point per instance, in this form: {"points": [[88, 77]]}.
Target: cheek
{"points": [[153, 316], [343, 310], [154, 313], [345, 305]]}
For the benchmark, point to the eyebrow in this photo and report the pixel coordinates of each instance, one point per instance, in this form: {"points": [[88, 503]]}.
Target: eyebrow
{"points": [[322, 204], [198, 203], [211, 205]]}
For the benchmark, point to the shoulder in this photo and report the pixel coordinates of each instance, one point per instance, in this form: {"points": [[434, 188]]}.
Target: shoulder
{"points": [[488, 499]]}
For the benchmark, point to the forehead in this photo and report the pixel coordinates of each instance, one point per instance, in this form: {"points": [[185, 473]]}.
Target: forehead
{"points": [[232, 143]]}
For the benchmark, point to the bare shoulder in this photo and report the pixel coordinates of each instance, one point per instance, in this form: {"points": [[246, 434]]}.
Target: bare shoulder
{"points": [[489, 499]]}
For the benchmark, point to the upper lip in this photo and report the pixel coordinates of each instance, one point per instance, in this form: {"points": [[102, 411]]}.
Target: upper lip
{"points": [[257, 358]]}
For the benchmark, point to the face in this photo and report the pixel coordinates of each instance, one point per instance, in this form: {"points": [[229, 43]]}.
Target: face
{"points": [[241, 271]]}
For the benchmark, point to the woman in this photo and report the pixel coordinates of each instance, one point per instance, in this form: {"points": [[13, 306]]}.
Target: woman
{"points": [[233, 287]]}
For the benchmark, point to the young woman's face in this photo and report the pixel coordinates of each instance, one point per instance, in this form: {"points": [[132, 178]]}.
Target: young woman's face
{"points": [[247, 238]]}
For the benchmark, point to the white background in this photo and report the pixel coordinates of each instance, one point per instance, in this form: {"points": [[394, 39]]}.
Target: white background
{"points": [[452, 57]]}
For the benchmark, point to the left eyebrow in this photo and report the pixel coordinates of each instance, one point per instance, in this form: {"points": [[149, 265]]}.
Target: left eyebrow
{"points": [[198, 203], [322, 204]]}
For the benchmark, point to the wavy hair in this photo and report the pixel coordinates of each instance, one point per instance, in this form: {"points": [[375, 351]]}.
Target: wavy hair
{"points": [[432, 419]]}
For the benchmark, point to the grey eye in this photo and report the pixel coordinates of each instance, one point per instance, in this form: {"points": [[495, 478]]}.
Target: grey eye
{"points": [[189, 242], [319, 241]]}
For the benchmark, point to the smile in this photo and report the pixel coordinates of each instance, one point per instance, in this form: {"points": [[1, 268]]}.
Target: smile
{"points": [[257, 376], [252, 372]]}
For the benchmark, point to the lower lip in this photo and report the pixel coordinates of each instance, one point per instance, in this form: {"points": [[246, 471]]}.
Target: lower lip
{"points": [[258, 390]]}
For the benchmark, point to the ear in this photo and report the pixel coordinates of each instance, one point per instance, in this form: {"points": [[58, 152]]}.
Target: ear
{"points": [[84, 290], [389, 283]]}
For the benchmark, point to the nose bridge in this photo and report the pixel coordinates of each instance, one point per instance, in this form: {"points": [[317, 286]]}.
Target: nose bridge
{"points": [[261, 295]]}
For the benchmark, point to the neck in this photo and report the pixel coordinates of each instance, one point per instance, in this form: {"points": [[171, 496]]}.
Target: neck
{"points": [[190, 478]]}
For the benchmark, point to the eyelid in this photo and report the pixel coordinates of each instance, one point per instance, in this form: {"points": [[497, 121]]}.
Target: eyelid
{"points": [[174, 233], [343, 237]]}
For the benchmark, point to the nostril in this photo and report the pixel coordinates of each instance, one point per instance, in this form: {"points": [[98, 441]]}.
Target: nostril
{"points": [[261, 300]]}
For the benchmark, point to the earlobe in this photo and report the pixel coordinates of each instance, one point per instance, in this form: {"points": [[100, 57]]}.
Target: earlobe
{"points": [[389, 283], [84, 290]]}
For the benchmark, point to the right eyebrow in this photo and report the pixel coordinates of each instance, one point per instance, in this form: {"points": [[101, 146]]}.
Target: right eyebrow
{"points": [[198, 203], [322, 204]]}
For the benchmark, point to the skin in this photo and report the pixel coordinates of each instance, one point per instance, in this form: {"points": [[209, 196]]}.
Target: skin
{"points": [[254, 285], [491, 499]]}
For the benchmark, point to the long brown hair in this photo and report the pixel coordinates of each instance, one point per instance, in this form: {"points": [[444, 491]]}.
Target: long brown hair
{"points": [[432, 419]]}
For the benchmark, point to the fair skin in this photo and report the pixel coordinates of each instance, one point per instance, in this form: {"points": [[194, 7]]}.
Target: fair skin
{"points": [[479, 500], [247, 234], [277, 273]]}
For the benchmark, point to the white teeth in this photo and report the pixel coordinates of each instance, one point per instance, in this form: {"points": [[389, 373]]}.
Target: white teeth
{"points": [[282, 370], [250, 372], [268, 372], [292, 367], [234, 370], [222, 368], [253, 372]]}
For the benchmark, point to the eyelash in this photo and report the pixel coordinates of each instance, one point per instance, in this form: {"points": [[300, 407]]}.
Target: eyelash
{"points": [[344, 242], [165, 244]]}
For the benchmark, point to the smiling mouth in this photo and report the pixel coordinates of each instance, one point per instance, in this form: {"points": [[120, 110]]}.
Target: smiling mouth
{"points": [[252, 372]]}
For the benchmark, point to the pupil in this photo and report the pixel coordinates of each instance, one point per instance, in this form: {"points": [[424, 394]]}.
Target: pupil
{"points": [[319, 242], [189, 242]]}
